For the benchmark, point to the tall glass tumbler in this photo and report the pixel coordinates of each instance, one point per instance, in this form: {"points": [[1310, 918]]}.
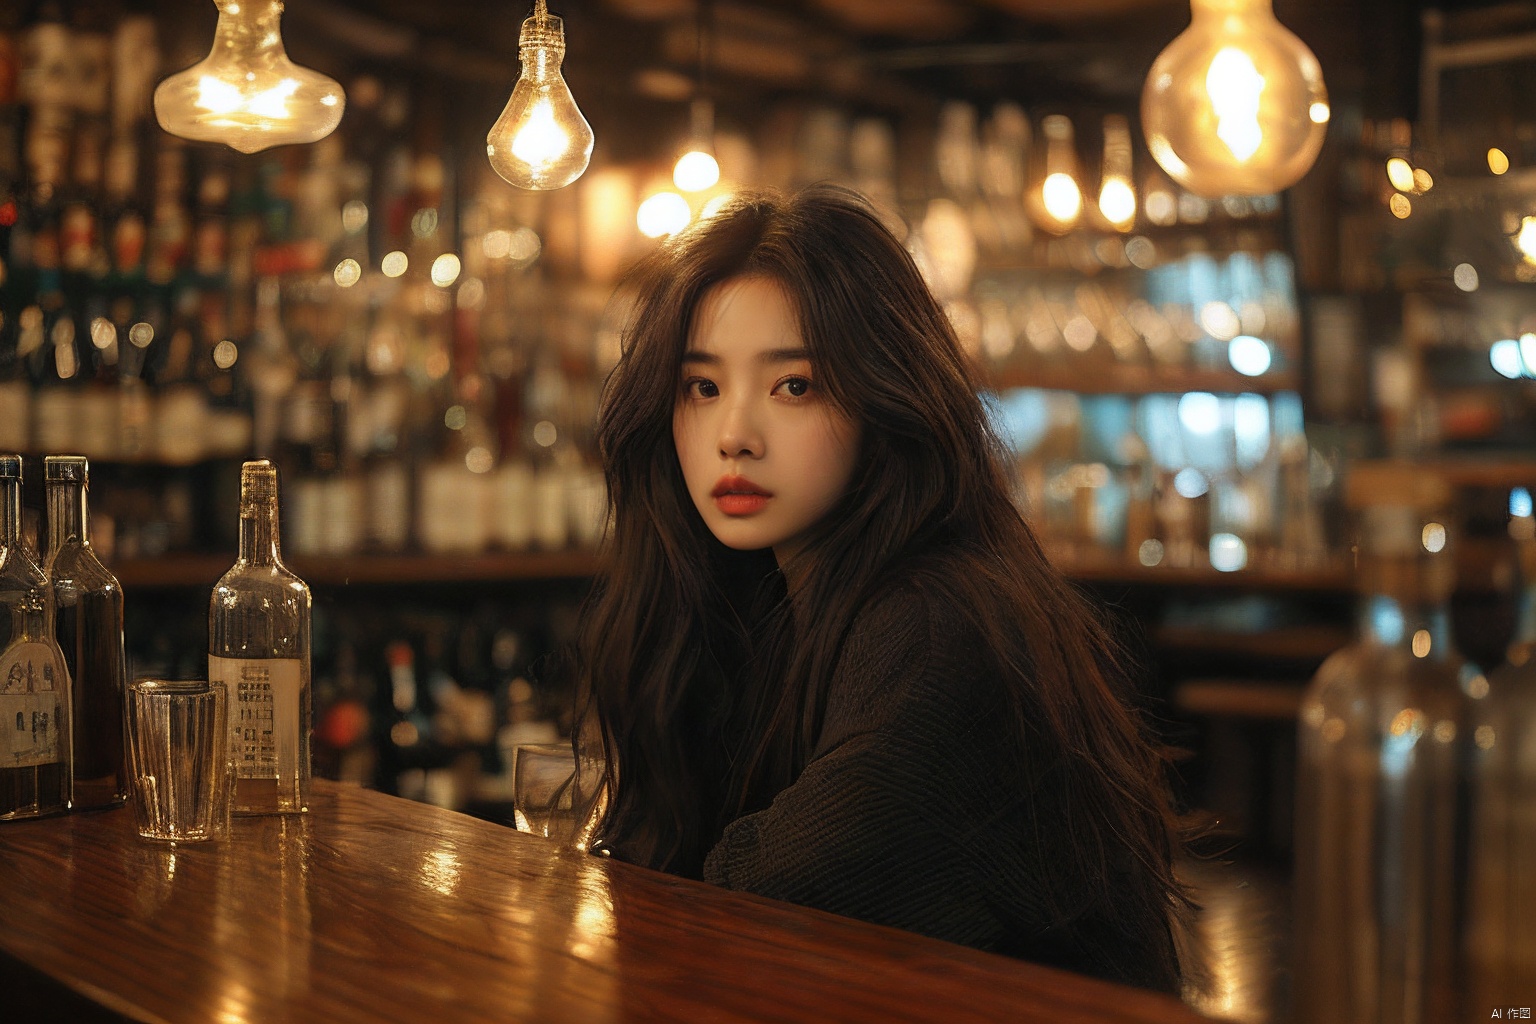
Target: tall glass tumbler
{"points": [[178, 742]]}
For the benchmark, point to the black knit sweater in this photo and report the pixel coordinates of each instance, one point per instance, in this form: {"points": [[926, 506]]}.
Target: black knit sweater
{"points": [[916, 811]]}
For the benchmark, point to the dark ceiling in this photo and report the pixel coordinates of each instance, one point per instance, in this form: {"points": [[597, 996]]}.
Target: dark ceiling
{"points": [[635, 63]]}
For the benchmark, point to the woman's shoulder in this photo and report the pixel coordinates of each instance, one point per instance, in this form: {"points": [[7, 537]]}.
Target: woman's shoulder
{"points": [[913, 653], [933, 595]]}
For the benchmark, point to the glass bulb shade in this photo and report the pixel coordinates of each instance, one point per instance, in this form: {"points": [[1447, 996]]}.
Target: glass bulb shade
{"points": [[1236, 104], [1057, 202], [1063, 199], [541, 141], [1117, 196], [696, 171], [1117, 202], [246, 93]]}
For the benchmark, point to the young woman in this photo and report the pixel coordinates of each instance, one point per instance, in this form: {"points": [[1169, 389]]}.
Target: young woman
{"points": [[829, 661]]}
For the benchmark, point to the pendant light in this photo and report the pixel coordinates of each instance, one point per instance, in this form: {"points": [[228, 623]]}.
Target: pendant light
{"points": [[697, 169], [1057, 201], [246, 93], [541, 141], [1236, 104], [1117, 195]]}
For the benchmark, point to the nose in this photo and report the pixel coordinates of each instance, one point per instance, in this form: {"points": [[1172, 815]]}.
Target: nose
{"points": [[740, 436]]}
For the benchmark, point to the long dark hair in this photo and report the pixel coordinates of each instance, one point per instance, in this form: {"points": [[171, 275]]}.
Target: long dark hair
{"points": [[684, 640]]}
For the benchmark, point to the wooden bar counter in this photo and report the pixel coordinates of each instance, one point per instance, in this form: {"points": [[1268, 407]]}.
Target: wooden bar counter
{"points": [[373, 908]]}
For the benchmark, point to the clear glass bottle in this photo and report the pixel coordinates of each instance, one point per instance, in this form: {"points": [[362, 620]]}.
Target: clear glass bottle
{"points": [[1380, 776], [1501, 925], [258, 636], [88, 624], [34, 682]]}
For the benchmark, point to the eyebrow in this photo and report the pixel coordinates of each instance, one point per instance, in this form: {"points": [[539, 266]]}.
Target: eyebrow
{"points": [[772, 355]]}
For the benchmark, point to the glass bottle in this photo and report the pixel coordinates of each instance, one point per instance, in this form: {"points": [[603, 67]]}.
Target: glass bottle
{"points": [[88, 624], [1380, 777], [34, 682], [258, 635], [1501, 929]]}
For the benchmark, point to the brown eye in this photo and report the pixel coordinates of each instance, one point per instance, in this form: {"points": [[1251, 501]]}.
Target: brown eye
{"points": [[795, 387], [699, 387]]}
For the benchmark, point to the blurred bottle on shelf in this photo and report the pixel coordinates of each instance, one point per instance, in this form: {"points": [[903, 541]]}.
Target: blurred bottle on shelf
{"points": [[1385, 732], [1501, 931], [88, 603]]}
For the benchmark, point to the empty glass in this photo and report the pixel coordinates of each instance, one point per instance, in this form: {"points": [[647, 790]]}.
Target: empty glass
{"points": [[553, 792], [178, 744]]}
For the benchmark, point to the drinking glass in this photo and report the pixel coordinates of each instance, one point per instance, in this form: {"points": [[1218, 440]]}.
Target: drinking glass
{"points": [[553, 790], [178, 746]]}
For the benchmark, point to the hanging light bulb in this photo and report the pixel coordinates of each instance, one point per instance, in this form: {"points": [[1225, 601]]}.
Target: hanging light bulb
{"points": [[697, 169], [1117, 196], [540, 141], [1236, 104], [1057, 202], [246, 93]]}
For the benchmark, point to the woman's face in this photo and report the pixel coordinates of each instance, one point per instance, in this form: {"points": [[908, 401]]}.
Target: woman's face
{"points": [[764, 453]]}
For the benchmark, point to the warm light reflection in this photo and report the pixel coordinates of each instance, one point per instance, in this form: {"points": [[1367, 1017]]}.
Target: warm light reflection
{"points": [[665, 213], [1465, 277], [1220, 320], [1433, 538], [440, 870], [1062, 198], [445, 270], [696, 171], [103, 334], [394, 263], [1400, 174], [1400, 206], [1498, 163], [715, 205], [1525, 241], [540, 141], [1117, 202], [1235, 86], [1422, 643]]}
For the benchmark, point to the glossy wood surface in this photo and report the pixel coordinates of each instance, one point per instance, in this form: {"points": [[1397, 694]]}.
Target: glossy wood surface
{"points": [[373, 908]]}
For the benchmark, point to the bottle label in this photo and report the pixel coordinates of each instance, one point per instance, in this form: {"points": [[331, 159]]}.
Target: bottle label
{"points": [[264, 705], [31, 705]]}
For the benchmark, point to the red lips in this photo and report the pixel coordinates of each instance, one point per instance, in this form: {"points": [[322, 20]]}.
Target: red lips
{"points": [[738, 496], [737, 485]]}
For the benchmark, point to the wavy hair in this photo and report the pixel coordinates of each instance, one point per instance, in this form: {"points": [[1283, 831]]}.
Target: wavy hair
{"points": [[708, 680]]}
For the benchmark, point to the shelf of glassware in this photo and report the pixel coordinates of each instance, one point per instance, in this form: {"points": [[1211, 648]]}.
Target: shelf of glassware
{"points": [[1131, 379], [198, 570], [203, 570], [1091, 565]]}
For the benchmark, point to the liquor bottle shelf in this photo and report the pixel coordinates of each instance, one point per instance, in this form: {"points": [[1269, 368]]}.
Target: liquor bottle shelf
{"points": [[1098, 567], [197, 570], [189, 570]]}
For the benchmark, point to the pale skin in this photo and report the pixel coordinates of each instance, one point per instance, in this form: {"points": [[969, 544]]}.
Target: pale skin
{"points": [[764, 454]]}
